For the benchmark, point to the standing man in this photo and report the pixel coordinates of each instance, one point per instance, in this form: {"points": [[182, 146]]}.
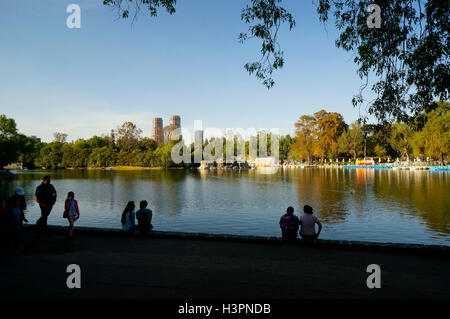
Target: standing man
{"points": [[45, 196]]}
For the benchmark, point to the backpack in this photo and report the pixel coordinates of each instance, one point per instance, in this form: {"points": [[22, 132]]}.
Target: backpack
{"points": [[288, 222]]}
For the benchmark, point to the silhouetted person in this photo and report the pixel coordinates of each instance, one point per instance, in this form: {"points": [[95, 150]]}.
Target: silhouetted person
{"points": [[5, 224], [71, 212], [289, 225], [15, 205], [128, 218], [307, 224], [19, 195], [46, 197], [144, 218]]}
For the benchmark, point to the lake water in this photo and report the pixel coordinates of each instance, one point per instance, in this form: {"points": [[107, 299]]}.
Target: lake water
{"points": [[379, 205]]}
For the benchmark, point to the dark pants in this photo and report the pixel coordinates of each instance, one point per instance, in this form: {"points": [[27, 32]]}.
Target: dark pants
{"points": [[309, 237], [289, 235], [45, 211], [17, 237]]}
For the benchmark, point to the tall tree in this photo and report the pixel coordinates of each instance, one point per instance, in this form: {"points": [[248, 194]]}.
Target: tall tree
{"points": [[8, 145], [434, 139], [330, 126], [127, 136], [351, 140], [401, 139], [60, 137], [408, 55], [305, 130]]}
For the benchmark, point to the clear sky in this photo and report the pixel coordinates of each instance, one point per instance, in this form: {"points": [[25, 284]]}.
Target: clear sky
{"points": [[86, 81]]}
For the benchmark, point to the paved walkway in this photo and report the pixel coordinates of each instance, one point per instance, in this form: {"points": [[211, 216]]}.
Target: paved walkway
{"points": [[114, 266]]}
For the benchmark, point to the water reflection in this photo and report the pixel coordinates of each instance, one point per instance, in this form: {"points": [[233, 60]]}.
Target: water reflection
{"points": [[360, 204]]}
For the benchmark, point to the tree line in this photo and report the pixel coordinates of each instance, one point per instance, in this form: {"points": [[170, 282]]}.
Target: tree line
{"points": [[318, 137], [325, 136]]}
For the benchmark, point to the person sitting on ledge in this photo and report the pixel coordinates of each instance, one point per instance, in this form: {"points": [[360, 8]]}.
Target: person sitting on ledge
{"points": [[289, 225], [307, 223], [144, 218], [128, 218]]}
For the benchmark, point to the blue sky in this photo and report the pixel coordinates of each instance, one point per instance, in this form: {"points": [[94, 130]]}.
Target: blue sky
{"points": [[87, 81]]}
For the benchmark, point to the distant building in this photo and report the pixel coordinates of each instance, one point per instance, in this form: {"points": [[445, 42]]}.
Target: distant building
{"points": [[175, 125], [198, 137], [157, 130]]}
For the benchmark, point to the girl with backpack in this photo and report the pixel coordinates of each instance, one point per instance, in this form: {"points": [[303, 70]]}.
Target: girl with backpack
{"points": [[71, 212]]}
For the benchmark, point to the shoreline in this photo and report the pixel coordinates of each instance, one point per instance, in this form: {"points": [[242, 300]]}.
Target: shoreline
{"points": [[440, 250]]}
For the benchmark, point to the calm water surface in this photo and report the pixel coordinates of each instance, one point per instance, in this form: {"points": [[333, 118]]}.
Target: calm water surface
{"points": [[353, 204]]}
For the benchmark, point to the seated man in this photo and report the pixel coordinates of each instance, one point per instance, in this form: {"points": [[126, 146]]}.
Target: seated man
{"points": [[289, 225], [307, 223], [144, 218]]}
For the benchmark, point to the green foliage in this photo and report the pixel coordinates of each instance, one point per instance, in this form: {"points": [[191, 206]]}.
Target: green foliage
{"points": [[408, 55], [350, 143], [265, 18], [401, 137], [434, 139]]}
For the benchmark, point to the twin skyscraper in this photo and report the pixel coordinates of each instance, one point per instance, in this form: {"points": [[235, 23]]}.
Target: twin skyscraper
{"points": [[163, 134]]}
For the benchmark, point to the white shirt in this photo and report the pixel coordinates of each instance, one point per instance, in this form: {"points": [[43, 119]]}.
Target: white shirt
{"points": [[307, 222], [129, 222]]}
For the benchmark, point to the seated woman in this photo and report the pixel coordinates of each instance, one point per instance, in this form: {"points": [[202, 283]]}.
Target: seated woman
{"points": [[307, 223], [128, 218]]}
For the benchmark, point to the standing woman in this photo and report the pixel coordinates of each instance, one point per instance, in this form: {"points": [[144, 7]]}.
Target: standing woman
{"points": [[71, 212], [128, 218]]}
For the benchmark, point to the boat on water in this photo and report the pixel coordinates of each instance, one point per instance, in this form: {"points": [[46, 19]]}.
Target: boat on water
{"points": [[365, 162]]}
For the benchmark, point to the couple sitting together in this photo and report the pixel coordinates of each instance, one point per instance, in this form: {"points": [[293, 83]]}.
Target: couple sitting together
{"points": [[289, 224]]}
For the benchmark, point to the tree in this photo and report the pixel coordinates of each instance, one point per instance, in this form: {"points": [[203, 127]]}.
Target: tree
{"points": [[8, 127], [401, 138], [60, 137], [127, 136], [329, 127], [351, 140], [285, 146], [29, 148], [305, 129], [264, 17], [434, 139], [408, 55]]}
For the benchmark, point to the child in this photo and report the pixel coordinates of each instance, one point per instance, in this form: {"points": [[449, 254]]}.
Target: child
{"points": [[307, 222], [71, 212]]}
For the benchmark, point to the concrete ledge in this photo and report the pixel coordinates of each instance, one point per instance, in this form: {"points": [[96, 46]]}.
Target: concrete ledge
{"points": [[437, 250]]}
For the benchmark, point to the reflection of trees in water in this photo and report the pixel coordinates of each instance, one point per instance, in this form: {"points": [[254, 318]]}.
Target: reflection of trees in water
{"points": [[324, 190], [428, 191]]}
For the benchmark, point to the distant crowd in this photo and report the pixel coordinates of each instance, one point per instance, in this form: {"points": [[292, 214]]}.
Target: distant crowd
{"points": [[12, 216]]}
